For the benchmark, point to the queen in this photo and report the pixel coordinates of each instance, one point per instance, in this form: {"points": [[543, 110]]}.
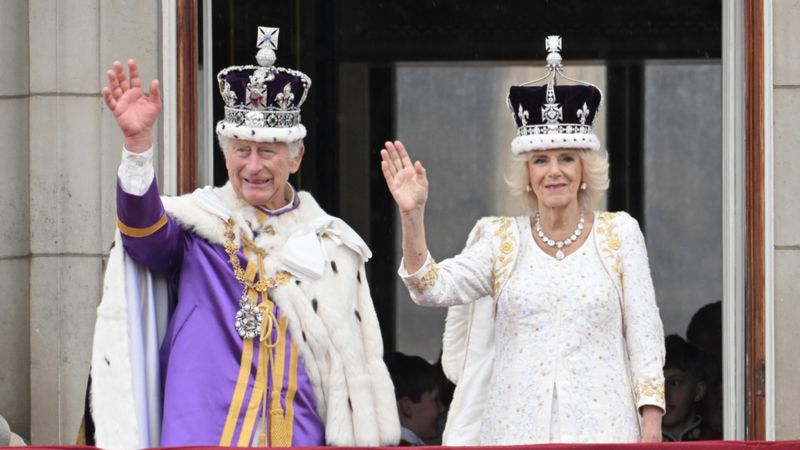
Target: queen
{"points": [[553, 333]]}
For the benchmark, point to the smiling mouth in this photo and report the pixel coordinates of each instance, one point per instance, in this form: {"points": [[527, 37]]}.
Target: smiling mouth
{"points": [[257, 182], [555, 186]]}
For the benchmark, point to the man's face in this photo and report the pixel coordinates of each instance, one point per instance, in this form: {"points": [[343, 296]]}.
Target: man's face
{"points": [[681, 394], [259, 171], [422, 417]]}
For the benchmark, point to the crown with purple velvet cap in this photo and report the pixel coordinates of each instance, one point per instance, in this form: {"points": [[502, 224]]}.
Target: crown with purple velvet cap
{"points": [[552, 116], [262, 103]]}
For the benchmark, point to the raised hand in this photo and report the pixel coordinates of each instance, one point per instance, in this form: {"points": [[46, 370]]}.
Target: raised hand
{"points": [[407, 181], [135, 113]]}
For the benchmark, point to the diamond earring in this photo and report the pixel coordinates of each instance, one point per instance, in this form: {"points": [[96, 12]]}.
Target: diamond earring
{"points": [[528, 188], [583, 186]]}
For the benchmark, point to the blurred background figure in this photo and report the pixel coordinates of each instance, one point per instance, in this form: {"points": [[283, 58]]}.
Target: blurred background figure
{"points": [[685, 382], [705, 332], [416, 388]]}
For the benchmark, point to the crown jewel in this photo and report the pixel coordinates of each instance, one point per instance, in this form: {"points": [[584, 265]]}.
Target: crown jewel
{"points": [[567, 111], [262, 102]]}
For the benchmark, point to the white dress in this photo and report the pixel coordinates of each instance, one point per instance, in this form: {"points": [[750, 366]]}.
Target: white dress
{"points": [[571, 360], [561, 321]]}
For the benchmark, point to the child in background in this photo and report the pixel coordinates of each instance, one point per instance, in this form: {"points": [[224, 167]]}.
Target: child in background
{"points": [[416, 387], [685, 385]]}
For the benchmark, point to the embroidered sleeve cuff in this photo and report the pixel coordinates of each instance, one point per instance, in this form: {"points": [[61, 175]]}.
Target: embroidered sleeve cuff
{"points": [[650, 391], [421, 280], [136, 171]]}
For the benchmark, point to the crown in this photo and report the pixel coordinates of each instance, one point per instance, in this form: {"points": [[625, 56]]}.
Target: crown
{"points": [[554, 116], [262, 103]]}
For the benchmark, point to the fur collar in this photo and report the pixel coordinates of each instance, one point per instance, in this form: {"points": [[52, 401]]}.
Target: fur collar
{"points": [[205, 211]]}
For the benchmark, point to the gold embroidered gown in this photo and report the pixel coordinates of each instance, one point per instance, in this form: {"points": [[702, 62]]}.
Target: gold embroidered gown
{"points": [[573, 361]]}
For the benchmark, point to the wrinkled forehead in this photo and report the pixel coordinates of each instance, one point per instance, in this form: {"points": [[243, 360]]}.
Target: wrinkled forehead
{"points": [[237, 143]]}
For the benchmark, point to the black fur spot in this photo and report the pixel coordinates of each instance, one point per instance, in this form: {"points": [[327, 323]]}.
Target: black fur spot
{"points": [[223, 126], [333, 266], [314, 304], [358, 316], [349, 403], [252, 132], [108, 363], [274, 139], [358, 276], [297, 282], [304, 336], [235, 136]]}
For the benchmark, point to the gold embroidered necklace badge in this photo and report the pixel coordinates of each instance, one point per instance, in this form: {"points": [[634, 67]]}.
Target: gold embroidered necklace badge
{"points": [[250, 317]]}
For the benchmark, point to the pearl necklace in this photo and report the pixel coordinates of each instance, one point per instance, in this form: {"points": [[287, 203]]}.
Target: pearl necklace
{"points": [[559, 244]]}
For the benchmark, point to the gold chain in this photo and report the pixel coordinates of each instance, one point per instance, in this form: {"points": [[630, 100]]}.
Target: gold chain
{"points": [[262, 285]]}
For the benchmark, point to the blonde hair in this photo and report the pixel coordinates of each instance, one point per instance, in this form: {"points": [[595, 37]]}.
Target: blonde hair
{"points": [[595, 175]]}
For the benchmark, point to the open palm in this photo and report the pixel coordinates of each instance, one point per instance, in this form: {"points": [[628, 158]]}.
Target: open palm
{"points": [[135, 113], [407, 181]]}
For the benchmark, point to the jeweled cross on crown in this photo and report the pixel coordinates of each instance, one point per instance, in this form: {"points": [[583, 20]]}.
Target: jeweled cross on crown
{"points": [[268, 38], [552, 44]]}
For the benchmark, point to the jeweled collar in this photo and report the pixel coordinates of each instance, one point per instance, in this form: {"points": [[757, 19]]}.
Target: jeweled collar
{"points": [[291, 206]]}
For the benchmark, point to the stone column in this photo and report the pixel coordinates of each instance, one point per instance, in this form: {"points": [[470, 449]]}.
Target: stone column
{"points": [[74, 151], [786, 185], [14, 217]]}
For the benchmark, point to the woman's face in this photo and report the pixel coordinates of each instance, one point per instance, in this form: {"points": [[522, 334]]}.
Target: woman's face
{"points": [[555, 176]]}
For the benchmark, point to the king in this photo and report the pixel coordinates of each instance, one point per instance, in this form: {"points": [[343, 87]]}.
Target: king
{"points": [[239, 315]]}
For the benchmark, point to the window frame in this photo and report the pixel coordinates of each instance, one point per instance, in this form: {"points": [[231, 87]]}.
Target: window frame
{"points": [[747, 209]]}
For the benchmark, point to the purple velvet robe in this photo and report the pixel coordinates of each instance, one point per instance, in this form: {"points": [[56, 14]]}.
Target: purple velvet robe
{"points": [[202, 351]]}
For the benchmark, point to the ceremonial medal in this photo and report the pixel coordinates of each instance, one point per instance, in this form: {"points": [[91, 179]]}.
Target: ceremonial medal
{"points": [[248, 318]]}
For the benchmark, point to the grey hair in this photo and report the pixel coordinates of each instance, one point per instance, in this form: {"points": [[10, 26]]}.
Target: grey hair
{"points": [[294, 146], [595, 175]]}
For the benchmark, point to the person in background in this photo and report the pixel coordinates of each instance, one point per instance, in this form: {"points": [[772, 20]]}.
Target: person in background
{"points": [[705, 332], [684, 378], [416, 389]]}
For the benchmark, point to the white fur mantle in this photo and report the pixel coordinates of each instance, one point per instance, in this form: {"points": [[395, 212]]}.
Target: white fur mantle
{"points": [[330, 315]]}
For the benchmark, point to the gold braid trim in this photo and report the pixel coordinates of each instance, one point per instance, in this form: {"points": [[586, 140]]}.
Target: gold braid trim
{"points": [[142, 232], [263, 284], [609, 241], [506, 246]]}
